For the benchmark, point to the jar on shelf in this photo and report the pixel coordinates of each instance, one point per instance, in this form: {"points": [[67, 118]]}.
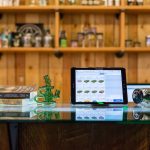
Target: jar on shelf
{"points": [[96, 2], [117, 3], [32, 2], [72, 2], [38, 41], [148, 40], [6, 38], [27, 40], [91, 39], [137, 44], [105, 2], [128, 43], [81, 39], [63, 39], [91, 2], [74, 43], [84, 2], [43, 2], [99, 40], [109, 2], [48, 39], [139, 2], [62, 1], [131, 2], [16, 40], [16, 2]]}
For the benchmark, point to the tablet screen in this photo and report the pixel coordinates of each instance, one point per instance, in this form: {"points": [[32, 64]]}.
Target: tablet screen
{"points": [[98, 86]]}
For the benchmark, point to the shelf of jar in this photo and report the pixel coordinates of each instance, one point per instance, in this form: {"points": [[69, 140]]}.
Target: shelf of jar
{"points": [[89, 49], [26, 9], [137, 49], [27, 49], [137, 9], [79, 8]]}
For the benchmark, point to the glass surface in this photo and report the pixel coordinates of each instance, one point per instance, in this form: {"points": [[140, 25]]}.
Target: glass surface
{"points": [[77, 113]]}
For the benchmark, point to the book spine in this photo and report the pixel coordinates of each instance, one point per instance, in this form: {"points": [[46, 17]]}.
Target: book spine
{"points": [[15, 95]]}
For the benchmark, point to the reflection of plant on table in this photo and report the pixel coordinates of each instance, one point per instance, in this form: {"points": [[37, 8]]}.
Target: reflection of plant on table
{"points": [[47, 115], [45, 94]]}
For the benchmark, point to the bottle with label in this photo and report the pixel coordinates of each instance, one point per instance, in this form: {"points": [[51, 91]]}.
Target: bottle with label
{"points": [[117, 2], [48, 39], [16, 2], [62, 1], [99, 40], [139, 2], [38, 41], [63, 39], [43, 2], [27, 40], [72, 2], [148, 40]]}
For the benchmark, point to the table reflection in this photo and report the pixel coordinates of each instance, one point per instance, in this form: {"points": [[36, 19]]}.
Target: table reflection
{"points": [[99, 114]]}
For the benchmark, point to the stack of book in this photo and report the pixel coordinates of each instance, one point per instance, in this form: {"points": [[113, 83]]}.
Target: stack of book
{"points": [[17, 95]]}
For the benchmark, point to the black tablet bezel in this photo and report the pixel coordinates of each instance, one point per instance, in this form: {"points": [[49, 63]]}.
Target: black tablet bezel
{"points": [[73, 85]]}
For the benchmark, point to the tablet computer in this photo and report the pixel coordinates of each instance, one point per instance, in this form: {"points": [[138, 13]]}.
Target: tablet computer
{"points": [[132, 86], [98, 86]]}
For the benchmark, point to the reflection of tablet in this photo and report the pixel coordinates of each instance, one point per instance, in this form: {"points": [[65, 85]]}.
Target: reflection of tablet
{"points": [[98, 85], [132, 87], [99, 114]]}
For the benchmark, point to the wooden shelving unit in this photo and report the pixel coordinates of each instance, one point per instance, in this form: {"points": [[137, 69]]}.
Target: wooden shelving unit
{"points": [[117, 16]]}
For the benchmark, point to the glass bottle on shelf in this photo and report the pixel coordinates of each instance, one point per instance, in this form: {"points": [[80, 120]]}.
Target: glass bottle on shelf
{"points": [[81, 39], [32, 2], [148, 41], [16, 39], [91, 39], [27, 40], [43, 2], [74, 41], [139, 2], [16, 3], [72, 2], [38, 41], [48, 39], [117, 3], [62, 1], [63, 39], [99, 40], [6, 38]]}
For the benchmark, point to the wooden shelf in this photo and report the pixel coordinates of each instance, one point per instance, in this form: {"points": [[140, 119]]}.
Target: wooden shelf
{"points": [[87, 9], [137, 9], [90, 49], [24, 49], [138, 49], [26, 9]]}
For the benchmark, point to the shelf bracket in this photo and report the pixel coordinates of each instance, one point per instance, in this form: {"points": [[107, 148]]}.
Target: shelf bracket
{"points": [[58, 54], [120, 54]]}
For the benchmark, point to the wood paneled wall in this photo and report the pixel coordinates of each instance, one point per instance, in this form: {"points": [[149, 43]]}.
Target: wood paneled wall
{"points": [[29, 68]]}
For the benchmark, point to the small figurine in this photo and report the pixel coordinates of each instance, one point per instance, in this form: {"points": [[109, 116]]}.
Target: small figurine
{"points": [[45, 94]]}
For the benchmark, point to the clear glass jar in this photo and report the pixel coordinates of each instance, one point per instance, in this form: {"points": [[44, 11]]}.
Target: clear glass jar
{"points": [[81, 39], [128, 43], [38, 41], [27, 40], [48, 39], [43, 2], [72, 2], [91, 39], [137, 44], [99, 40]]}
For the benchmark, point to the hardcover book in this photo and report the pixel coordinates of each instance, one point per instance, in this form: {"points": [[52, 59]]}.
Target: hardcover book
{"points": [[17, 92]]}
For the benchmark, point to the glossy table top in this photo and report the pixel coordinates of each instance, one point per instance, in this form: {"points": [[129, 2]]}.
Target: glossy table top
{"points": [[76, 113]]}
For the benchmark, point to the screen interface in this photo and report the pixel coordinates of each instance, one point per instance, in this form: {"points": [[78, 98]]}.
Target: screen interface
{"points": [[99, 114], [131, 88], [99, 86]]}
